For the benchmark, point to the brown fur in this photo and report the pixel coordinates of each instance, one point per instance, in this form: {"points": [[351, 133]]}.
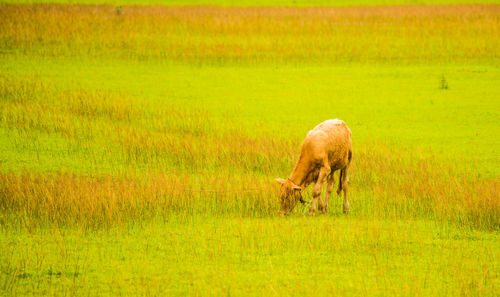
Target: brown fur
{"points": [[327, 148]]}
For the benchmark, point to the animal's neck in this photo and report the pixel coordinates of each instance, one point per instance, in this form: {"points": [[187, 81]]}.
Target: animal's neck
{"points": [[299, 173]]}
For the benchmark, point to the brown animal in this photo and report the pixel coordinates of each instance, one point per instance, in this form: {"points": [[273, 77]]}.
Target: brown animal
{"points": [[327, 148]]}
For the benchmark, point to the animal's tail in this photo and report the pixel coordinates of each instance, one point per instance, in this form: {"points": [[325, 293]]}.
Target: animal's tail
{"points": [[343, 173], [339, 189]]}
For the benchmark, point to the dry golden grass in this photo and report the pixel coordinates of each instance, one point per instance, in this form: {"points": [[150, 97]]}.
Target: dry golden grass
{"points": [[385, 184], [68, 199], [31, 105], [211, 34]]}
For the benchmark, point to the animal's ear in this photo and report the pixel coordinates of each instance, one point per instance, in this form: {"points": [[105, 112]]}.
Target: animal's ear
{"points": [[280, 180], [297, 188]]}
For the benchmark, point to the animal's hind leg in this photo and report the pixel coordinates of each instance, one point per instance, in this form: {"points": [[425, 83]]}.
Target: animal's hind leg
{"points": [[344, 185], [324, 172], [345, 182], [330, 183]]}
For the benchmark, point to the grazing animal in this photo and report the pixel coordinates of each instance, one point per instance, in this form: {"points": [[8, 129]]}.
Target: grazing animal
{"points": [[327, 148]]}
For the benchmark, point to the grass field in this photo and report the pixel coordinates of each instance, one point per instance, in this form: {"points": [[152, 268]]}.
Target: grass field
{"points": [[139, 147], [254, 3]]}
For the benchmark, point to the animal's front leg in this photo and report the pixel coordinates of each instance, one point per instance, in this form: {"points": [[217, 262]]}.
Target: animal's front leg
{"points": [[324, 171]]}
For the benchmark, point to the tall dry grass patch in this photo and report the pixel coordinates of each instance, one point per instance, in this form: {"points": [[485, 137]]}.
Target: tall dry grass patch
{"points": [[143, 136], [384, 184], [418, 184], [212, 34], [31, 104], [30, 198]]}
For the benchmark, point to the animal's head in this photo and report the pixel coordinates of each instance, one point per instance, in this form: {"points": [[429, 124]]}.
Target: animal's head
{"points": [[289, 195]]}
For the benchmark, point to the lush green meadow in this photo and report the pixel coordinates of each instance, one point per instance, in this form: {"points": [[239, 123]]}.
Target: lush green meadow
{"points": [[139, 147]]}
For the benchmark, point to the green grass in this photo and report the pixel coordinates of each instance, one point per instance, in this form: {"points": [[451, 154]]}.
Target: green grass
{"points": [[379, 250], [249, 257], [134, 164], [395, 105]]}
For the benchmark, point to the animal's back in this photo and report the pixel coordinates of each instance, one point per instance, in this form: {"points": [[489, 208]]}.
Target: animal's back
{"points": [[330, 138], [330, 130], [332, 127]]}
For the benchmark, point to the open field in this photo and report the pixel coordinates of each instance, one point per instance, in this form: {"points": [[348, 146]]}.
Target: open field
{"points": [[288, 257], [396, 34], [139, 147]]}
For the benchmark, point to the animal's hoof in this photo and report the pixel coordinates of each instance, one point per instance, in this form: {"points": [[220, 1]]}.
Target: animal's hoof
{"points": [[324, 211], [346, 210], [311, 213]]}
